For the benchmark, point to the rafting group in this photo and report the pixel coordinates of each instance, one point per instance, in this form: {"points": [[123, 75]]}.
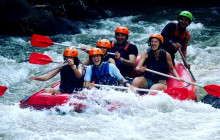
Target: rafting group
{"points": [[115, 62]]}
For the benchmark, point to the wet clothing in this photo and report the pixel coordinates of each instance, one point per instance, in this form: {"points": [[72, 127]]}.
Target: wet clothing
{"points": [[125, 51], [150, 83], [106, 74], [69, 82], [106, 58], [172, 34], [159, 65]]}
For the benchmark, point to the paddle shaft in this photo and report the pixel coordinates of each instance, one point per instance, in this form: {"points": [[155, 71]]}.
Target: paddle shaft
{"points": [[79, 47], [126, 88], [44, 41], [42, 73], [173, 77], [185, 63]]}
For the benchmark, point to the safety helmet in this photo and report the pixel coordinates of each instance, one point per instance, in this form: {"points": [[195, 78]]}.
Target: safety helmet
{"points": [[186, 14], [95, 51], [123, 30], [104, 43], [158, 36], [70, 52]]}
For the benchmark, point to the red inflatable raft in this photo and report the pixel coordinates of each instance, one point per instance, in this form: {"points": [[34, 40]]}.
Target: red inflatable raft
{"points": [[41, 100]]}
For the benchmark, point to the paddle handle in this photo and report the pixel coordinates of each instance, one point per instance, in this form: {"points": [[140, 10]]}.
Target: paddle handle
{"points": [[55, 62], [126, 88], [110, 53], [62, 44], [185, 63], [162, 74], [173, 77], [79, 47], [70, 46], [42, 73], [183, 58]]}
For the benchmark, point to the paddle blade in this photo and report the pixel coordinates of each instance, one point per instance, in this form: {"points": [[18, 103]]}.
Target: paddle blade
{"points": [[178, 93], [2, 90], [213, 90], [41, 41], [41, 59]]}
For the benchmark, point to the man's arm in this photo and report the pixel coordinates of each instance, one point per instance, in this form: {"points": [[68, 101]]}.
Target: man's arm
{"points": [[166, 33]]}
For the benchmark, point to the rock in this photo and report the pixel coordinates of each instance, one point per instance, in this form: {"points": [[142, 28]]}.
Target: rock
{"points": [[57, 17], [212, 100]]}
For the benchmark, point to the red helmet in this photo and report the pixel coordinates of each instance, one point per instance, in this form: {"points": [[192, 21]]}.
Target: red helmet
{"points": [[104, 43], [158, 36], [95, 51], [123, 30], [70, 52]]}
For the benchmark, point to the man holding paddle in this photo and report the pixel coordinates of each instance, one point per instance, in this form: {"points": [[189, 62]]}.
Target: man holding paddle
{"points": [[176, 36], [125, 52]]}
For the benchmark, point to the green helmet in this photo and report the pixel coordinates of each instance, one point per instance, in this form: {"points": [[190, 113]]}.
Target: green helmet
{"points": [[186, 14]]}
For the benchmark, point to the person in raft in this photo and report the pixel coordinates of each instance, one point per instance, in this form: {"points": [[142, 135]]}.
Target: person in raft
{"points": [[72, 75], [105, 46], [125, 52], [176, 36], [157, 59], [102, 72]]}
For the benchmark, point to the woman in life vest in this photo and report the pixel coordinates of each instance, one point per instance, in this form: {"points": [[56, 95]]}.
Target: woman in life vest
{"points": [[157, 59], [102, 72], [71, 75], [105, 46], [125, 52], [176, 36]]}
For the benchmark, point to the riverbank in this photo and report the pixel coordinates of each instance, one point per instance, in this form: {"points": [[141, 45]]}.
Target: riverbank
{"points": [[26, 17]]}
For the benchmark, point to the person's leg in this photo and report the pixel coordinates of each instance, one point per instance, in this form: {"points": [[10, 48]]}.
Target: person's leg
{"points": [[140, 82], [160, 85], [51, 90]]}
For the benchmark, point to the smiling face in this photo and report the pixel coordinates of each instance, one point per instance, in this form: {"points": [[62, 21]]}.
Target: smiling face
{"points": [[183, 21], [121, 38], [97, 59], [155, 43]]}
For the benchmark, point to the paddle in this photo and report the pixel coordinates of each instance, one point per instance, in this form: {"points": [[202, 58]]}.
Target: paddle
{"points": [[210, 89], [41, 59], [4, 88], [44, 41], [186, 65], [126, 88], [173, 92]]}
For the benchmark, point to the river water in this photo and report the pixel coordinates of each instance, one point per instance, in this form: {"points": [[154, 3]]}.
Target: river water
{"points": [[150, 117]]}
